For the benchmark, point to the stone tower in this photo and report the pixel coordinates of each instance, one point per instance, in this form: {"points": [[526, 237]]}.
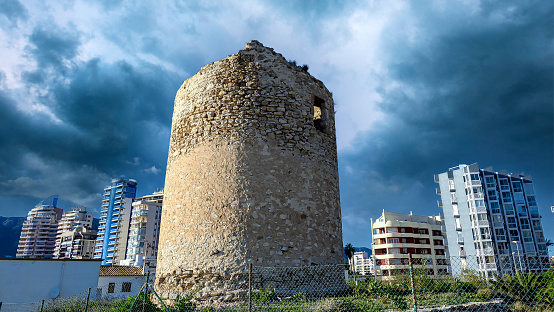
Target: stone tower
{"points": [[251, 176]]}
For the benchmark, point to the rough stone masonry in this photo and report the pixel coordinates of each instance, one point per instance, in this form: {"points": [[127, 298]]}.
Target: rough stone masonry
{"points": [[251, 176]]}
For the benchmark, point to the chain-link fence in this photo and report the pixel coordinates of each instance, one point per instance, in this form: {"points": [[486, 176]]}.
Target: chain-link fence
{"points": [[418, 284]]}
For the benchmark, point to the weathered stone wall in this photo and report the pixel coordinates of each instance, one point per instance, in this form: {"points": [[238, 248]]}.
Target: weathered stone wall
{"points": [[251, 176]]}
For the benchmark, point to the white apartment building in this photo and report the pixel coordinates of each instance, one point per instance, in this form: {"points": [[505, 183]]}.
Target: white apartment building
{"points": [[398, 235], [144, 231], [38, 235], [115, 215], [76, 244], [362, 263], [74, 235], [492, 220]]}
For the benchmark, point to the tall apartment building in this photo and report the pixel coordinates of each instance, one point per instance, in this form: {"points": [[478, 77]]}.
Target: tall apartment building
{"points": [[144, 231], [492, 219], [38, 235], [76, 244], [75, 238], [398, 235], [115, 214], [362, 263]]}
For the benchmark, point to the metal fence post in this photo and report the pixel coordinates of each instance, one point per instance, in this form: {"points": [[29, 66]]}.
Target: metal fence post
{"points": [[146, 291], [412, 283], [88, 298], [249, 287]]}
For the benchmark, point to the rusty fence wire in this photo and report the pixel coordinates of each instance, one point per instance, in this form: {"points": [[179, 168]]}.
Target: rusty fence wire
{"points": [[508, 283]]}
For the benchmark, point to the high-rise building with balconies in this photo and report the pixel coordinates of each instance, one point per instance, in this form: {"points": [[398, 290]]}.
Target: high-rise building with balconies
{"points": [[397, 236], [144, 230], [492, 219], [38, 235], [115, 215], [75, 237]]}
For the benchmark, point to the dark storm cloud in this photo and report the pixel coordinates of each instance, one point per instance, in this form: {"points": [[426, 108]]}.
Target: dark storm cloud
{"points": [[13, 10], [106, 119], [480, 91], [51, 46]]}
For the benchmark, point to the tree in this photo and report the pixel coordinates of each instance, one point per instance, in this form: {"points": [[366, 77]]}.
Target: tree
{"points": [[349, 250]]}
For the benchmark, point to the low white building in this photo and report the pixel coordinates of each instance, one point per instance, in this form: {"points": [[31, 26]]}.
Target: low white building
{"points": [[120, 281]]}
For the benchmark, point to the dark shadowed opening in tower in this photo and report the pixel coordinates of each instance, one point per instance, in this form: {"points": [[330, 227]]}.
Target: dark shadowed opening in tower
{"points": [[320, 114]]}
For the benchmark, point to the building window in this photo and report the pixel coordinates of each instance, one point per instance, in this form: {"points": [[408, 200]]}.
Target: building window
{"points": [[531, 200], [506, 197], [522, 211], [490, 182], [517, 186], [111, 288], [319, 113], [500, 234], [509, 209], [495, 207], [512, 222], [504, 186], [126, 287], [485, 234]]}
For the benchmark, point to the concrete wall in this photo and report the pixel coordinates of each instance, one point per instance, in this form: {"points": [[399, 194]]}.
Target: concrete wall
{"points": [[28, 280]]}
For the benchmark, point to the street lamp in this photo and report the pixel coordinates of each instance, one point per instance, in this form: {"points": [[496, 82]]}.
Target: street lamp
{"points": [[518, 256]]}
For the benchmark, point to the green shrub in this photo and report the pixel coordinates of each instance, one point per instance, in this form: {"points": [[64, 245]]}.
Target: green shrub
{"points": [[464, 287], [263, 296], [376, 289], [485, 293], [185, 304], [545, 293], [521, 286], [299, 297], [473, 278], [398, 301]]}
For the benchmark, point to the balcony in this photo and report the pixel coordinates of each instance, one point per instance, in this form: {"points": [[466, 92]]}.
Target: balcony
{"points": [[485, 252], [487, 266], [480, 223], [460, 240], [478, 210]]}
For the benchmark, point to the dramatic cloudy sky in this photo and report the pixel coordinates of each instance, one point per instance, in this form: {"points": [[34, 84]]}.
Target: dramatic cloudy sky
{"points": [[87, 89]]}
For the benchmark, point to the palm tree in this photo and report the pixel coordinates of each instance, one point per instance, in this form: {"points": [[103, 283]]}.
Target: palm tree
{"points": [[349, 250]]}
